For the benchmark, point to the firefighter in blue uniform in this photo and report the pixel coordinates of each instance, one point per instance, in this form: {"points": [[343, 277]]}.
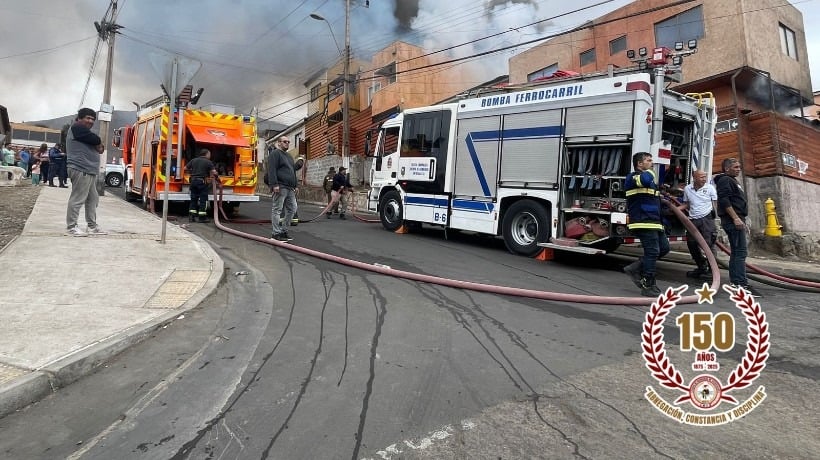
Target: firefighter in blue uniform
{"points": [[645, 221]]}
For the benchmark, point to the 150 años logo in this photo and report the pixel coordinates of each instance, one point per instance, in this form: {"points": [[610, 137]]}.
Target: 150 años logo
{"points": [[705, 334]]}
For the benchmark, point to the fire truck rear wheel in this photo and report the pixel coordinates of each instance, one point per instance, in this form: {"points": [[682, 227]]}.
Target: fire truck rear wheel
{"points": [[391, 211], [145, 199], [525, 225]]}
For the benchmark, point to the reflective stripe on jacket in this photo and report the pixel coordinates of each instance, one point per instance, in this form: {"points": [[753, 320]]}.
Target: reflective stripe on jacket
{"points": [[643, 201]]}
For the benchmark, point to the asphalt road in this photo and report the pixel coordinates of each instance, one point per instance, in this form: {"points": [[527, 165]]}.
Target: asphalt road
{"points": [[298, 357]]}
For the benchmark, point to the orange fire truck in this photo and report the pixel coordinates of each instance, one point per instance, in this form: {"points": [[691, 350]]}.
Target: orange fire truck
{"points": [[231, 139]]}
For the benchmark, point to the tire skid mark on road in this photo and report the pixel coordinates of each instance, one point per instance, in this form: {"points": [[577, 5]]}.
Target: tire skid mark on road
{"points": [[328, 283], [463, 315], [521, 344], [380, 309], [309, 377], [188, 447]]}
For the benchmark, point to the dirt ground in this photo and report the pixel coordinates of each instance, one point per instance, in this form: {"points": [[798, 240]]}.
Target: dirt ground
{"points": [[16, 204]]}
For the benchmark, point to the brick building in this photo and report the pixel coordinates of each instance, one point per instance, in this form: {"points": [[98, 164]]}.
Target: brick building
{"points": [[381, 87], [752, 57]]}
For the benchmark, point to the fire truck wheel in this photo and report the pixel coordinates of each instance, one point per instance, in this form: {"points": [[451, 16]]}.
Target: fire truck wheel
{"points": [[525, 224], [145, 199], [391, 211]]}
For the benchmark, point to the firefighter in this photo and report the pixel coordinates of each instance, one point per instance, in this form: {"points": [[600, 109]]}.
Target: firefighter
{"points": [[644, 207], [201, 170]]}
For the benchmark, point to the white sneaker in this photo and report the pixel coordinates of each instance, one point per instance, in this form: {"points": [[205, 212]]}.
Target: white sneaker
{"points": [[75, 231], [96, 231]]}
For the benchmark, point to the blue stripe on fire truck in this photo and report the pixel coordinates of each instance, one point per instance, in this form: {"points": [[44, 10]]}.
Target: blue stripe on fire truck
{"points": [[483, 207], [426, 201]]}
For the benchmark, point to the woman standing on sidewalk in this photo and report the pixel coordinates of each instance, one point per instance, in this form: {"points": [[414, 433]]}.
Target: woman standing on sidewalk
{"points": [[42, 155]]}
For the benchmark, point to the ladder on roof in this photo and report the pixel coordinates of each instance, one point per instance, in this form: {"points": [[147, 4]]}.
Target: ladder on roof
{"points": [[703, 150]]}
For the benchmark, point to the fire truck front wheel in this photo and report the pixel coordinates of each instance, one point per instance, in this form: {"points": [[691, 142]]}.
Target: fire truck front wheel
{"points": [[525, 224], [391, 211]]}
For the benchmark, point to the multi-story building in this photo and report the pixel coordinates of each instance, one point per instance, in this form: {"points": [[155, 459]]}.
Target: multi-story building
{"points": [[731, 34], [752, 57], [386, 85]]}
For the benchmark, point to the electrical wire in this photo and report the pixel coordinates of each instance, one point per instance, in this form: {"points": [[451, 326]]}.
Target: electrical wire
{"points": [[46, 50]]}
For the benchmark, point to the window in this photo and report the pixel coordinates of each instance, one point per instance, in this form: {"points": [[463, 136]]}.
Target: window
{"points": [[425, 135], [389, 72], [617, 45], [372, 90], [787, 42], [335, 88], [543, 73], [588, 57], [314, 92], [680, 28]]}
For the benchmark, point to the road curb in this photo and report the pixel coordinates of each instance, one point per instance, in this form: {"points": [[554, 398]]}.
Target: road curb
{"points": [[38, 384], [24, 391]]}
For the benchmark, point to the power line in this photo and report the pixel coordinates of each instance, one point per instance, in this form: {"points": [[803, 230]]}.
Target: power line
{"points": [[95, 54], [46, 50], [485, 53]]}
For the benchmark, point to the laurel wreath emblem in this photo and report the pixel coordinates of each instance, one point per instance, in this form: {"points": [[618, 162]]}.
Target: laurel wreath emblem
{"points": [[664, 371]]}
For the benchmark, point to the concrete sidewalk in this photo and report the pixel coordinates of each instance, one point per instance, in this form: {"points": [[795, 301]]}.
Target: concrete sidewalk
{"points": [[70, 303]]}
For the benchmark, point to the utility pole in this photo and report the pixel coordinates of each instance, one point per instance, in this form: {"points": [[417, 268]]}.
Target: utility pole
{"points": [[107, 31], [346, 100]]}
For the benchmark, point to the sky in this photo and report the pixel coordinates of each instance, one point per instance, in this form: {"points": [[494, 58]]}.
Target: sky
{"points": [[256, 55]]}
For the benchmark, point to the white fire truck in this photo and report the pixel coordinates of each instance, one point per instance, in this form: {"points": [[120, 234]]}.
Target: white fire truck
{"points": [[542, 166]]}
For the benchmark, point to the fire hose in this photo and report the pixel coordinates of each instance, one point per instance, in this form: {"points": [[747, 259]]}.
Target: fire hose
{"points": [[481, 287], [334, 200], [792, 283]]}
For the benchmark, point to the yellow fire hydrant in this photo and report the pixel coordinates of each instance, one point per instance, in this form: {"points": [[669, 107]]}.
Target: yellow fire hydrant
{"points": [[772, 227]]}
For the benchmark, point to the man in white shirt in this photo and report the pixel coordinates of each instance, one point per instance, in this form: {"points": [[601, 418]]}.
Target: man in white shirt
{"points": [[700, 199]]}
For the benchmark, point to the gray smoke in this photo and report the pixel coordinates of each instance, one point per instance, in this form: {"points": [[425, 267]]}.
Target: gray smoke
{"points": [[254, 53]]}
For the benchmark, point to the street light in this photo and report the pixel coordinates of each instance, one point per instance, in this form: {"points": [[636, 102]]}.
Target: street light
{"points": [[319, 17], [346, 87]]}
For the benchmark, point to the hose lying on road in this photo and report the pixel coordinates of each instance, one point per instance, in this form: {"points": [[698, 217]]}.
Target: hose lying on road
{"points": [[480, 287], [790, 283], [334, 200]]}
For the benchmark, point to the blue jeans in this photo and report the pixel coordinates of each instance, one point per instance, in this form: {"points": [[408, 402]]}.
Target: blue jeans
{"points": [[655, 245], [737, 259], [285, 198]]}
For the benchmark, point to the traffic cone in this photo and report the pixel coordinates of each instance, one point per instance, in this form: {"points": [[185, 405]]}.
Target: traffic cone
{"points": [[545, 254], [401, 230]]}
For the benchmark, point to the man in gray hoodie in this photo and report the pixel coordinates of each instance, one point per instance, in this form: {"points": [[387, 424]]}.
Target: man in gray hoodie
{"points": [[283, 183], [83, 149]]}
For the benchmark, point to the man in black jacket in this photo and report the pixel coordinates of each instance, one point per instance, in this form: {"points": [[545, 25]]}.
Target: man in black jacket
{"points": [[341, 187], [733, 209], [283, 183]]}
